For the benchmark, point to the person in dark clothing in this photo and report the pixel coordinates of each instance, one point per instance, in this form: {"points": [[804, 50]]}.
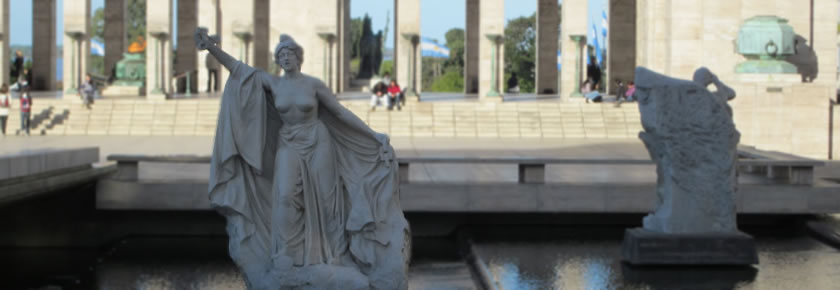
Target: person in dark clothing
{"points": [[17, 66], [621, 90], [593, 72], [380, 92], [513, 84], [212, 73], [25, 111]]}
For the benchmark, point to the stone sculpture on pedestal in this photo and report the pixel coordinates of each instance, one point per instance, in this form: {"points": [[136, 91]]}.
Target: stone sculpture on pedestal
{"points": [[310, 192], [690, 135]]}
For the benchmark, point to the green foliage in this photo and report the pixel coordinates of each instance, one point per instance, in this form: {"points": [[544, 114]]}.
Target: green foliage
{"points": [[520, 51], [97, 62], [97, 24], [356, 27], [136, 24], [354, 66], [455, 43], [446, 75], [386, 67], [451, 81]]}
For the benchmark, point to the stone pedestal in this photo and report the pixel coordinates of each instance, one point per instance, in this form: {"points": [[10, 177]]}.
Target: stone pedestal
{"points": [[645, 247]]}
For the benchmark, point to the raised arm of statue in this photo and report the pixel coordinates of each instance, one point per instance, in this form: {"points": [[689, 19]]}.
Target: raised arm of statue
{"points": [[204, 41]]}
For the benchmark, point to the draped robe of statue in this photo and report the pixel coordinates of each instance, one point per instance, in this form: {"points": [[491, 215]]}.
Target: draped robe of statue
{"points": [[283, 239]]}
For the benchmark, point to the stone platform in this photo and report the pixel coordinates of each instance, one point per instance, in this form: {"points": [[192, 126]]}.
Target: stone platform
{"points": [[644, 247]]}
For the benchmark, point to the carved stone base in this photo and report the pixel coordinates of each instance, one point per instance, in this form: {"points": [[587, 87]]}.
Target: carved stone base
{"points": [[644, 247]]}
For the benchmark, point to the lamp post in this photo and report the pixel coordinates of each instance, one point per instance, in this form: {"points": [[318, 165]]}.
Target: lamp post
{"points": [[329, 38], [497, 39], [578, 39], [75, 61], [411, 88], [160, 65]]}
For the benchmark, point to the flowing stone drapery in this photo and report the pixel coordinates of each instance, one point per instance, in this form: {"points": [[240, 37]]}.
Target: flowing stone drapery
{"points": [[348, 234], [690, 135]]}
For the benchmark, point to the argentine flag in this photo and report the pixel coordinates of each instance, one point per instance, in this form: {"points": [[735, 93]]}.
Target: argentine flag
{"points": [[559, 60], [97, 48], [430, 48]]}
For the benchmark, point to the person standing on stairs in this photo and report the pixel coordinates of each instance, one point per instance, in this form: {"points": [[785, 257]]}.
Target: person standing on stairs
{"points": [[5, 104]]}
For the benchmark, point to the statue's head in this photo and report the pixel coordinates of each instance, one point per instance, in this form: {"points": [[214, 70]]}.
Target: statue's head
{"points": [[288, 54]]}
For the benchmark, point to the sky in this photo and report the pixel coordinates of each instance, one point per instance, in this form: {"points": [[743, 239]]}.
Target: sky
{"points": [[436, 16]]}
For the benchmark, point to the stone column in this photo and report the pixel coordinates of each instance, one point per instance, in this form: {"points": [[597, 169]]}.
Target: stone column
{"points": [[323, 18], [206, 12], [76, 31], [261, 42], [115, 34], [406, 56], [411, 86], [237, 18], [4, 41], [471, 43], [43, 44], [621, 52], [159, 49], [186, 52], [341, 57], [491, 22], [547, 34], [574, 24]]}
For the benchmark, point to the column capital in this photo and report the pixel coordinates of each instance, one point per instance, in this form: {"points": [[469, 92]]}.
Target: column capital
{"points": [[495, 37], [160, 35], [413, 37], [577, 37], [244, 36], [329, 37]]}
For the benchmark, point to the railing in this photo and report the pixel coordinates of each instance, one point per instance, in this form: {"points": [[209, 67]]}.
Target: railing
{"points": [[188, 82], [795, 170]]}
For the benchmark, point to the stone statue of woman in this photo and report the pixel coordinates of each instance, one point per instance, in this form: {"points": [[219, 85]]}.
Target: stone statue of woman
{"points": [[309, 191]]}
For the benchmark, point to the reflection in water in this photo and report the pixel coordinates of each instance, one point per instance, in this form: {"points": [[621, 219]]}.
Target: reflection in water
{"points": [[785, 263]]}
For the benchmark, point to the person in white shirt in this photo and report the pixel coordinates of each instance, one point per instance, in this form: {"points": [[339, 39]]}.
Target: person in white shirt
{"points": [[5, 104]]}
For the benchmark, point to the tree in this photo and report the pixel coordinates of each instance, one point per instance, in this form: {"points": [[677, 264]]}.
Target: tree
{"points": [[97, 25], [520, 51], [455, 43], [97, 62], [136, 19]]}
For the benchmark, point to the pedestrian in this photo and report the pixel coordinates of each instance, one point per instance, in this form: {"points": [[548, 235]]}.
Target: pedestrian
{"points": [[212, 73], [380, 93], [394, 95], [27, 76], [593, 94], [621, 89], [593, 73], [631, 91], [25, 110], [17, 88], [18, 64], [5, 104], [87, 91]]}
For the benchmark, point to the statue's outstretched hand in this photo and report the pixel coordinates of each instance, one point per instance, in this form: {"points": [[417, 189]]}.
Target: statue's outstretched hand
{"points": [[202, 40], [385, 153]]}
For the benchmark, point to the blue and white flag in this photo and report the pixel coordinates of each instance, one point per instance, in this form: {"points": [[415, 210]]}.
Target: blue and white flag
{"points": [[604, 24], [598, 56], [97, 48], [430, 48], [559, 60]]}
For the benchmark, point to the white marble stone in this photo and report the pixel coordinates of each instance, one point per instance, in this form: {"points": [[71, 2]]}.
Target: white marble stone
{"points": [[310, 193], [690, 135]]}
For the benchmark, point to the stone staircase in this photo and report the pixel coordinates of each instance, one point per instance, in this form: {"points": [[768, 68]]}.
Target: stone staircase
{"points": [[197, 117]]}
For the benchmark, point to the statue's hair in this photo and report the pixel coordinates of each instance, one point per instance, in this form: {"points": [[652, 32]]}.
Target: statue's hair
{"points": [[287, 42]]}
